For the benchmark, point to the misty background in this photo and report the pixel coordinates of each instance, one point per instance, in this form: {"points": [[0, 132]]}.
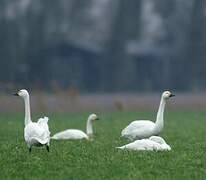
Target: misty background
{"points": [[103, 46]]}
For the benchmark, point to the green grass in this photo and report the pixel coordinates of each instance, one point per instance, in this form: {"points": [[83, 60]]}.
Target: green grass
{"points": [[75, 160]]}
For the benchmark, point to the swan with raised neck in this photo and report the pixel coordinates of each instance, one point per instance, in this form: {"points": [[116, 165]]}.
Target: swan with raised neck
{"points": [[159, 124], [76, 133], [140, 129], [35, 133], [25, 95], [89, 127]]}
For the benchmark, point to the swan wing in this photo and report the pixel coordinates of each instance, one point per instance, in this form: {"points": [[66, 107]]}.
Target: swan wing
{"points": [[70, 134], [138, 129], [139, 145], [37, 133], [145, 145], [163, 146], [43, 122]]}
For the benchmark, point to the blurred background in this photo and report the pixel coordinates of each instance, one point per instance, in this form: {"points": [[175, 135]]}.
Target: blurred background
{"points": [[76, 55]]}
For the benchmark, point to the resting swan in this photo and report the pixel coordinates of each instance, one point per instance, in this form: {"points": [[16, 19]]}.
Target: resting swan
{"points": [[144, 128], [154, 143], [35, 133], [75, 133]]}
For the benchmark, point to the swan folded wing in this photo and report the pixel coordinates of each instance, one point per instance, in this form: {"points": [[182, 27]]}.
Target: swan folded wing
{"points": [[43, 120], [143, 145], [139, 145], [70, 134], [34, 131], [138, 129], [43, 123], [159, 147], [163, 145]]}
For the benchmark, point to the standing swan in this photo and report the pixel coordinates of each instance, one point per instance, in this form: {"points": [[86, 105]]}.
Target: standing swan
{"points": [[143, 128], [35, 133], [75, 133], [154, 143]]}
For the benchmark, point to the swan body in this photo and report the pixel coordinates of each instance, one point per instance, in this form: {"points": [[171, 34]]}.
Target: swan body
{"points": [[75, 133], [70, 134], [154, 143], [141, 129], [35, 133]]}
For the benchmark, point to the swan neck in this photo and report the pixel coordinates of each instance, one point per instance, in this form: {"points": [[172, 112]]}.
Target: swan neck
{"points": [[27, 118], [89, 129], [160, 114]]}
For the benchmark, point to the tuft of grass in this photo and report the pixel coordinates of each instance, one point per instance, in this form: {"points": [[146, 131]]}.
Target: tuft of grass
{"points": [[98, 159]]}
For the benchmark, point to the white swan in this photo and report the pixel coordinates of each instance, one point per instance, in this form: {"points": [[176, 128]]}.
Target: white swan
{"points": [[144, 128], [35, 133], [75, 133], [154, 143]]}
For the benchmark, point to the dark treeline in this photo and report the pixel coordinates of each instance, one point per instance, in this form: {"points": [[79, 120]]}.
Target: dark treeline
{"points": [[104, 45]]}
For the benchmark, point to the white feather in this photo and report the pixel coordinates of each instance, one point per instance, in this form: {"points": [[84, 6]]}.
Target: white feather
{"points": [[75, 133], [70, 134], [154, 143], [35, 133], [140, 129]]}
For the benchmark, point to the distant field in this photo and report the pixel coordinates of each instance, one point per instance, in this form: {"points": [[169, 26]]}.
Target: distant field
{"points": [[74, 160]]}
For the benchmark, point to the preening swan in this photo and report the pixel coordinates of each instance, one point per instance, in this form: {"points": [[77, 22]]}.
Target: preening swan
{"points": [[35, 133], [144, 128], [154, 143], [75, 133]]}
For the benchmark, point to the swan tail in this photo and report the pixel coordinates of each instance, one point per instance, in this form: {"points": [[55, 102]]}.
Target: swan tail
{"points": [[54, 137], [123, 133], [58, 136], [121, 147], [36, 140]]}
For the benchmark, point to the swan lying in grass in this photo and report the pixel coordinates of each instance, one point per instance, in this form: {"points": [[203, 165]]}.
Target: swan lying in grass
{"points": [[35, 133], [75, 133], [154, 143], [144, 128]]}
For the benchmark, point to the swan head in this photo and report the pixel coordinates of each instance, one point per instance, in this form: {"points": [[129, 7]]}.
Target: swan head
{"points": [[23, 93], [93, 117], [167, 95]]}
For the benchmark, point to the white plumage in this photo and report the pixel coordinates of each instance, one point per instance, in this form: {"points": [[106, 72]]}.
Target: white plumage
{"points": [[154, 143], [144, 128], [70, 134], [139, 130], [75, 133], [35, 133]]}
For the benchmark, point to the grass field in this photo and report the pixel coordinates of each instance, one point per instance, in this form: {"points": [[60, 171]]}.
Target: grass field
{"points": [[75, 160]]}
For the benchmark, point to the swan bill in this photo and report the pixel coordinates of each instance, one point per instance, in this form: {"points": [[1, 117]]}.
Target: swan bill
{"points": [[172, 95], [15, 94]]}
